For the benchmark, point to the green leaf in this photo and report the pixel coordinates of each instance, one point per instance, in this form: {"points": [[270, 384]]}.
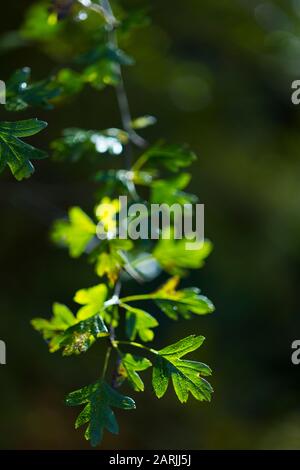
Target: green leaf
{"points": [[21, 94], [175, 259], [76, 234], [62, 319], [79, 338], [185, 375], [92, 300], [69, 82], [181, 302], [139, 322], [99, 399], [171, 157], [14, 152], [176, 302], [75, 335], [37, 26], [103, 65], [110, 258], [129, 367], [109, 264], [169, 191]]}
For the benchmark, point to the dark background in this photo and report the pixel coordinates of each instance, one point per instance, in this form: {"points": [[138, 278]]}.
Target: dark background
{"points": [[217, 74]]}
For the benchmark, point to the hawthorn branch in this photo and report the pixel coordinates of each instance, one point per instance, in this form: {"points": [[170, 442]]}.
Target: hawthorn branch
{"points": [[105, 10], [124, 103]]}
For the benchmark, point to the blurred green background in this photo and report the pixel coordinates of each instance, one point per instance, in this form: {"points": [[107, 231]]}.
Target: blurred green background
{"points": [[217, 74]]}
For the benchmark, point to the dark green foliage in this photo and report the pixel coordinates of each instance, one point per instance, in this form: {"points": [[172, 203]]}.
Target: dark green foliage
{"points": [[99, 399], [21, 93], [14, 152]]}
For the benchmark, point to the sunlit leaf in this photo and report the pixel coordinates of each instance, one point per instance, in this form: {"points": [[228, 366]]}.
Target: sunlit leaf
{"points": [[129, 368], [185, 375], [139, 322], [175, 259], [75, 233], [92, 300]]}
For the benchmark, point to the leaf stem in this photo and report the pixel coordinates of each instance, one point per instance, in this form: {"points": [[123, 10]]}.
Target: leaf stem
{"points": [[136, 345], [134, 298]]}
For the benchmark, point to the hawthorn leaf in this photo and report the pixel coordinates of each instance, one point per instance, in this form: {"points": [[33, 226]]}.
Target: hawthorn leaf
{"points": [[175, 302], [129, 368], [62, 319], [74, 335], [171, 157], [14, 152], [99, 399], [181, 302], [92, 300], [110, 257], [175, 259], [20, 93], [80, 337], [75, 233], [109, 264], [186, 375], [169, 191], [139, 322]]}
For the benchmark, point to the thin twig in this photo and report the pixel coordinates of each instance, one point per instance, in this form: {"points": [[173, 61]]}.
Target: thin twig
{"points": [[125, 109], [105, 10]]}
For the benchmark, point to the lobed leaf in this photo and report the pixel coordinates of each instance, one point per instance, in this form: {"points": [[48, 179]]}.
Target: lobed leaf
{"points": [[129, 368], [186, 375], [76, 233], [14, 152], [139, 322], [99, 399]]}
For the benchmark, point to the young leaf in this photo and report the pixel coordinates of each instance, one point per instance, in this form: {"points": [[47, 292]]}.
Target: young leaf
{"points": [[175, 259], [176, 302], [139, 323], [99, 399], [14, 152], [181, 302], [109, 264], [172, 157], [76, 233], [92, 300], [186, 375], [129, 368], [169, 191], [74, 335], [62, 319]]}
